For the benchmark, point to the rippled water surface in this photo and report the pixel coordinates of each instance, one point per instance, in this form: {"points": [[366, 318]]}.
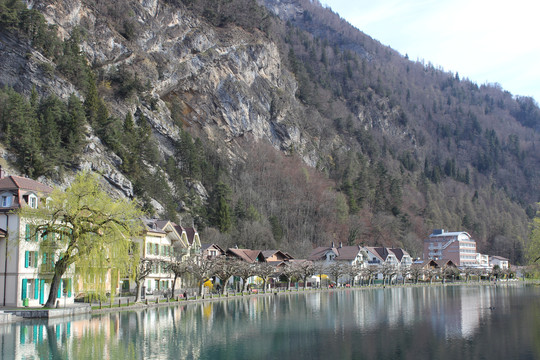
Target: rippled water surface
{"points": [[451, 322]]}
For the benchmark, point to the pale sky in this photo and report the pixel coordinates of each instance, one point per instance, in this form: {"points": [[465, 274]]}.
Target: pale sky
{"points": [[485, 41]]}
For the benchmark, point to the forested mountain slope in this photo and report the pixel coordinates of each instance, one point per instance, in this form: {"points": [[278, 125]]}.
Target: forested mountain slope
{"points": [[270, 124]]}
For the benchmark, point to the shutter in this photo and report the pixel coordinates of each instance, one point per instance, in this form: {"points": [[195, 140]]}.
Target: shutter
{"points": [[44, 258], [36, 236], [59, 295], [35, 262], [27, 233], [36, 289], [42, 292], [24, 288], [149, 248], [52, 260], [69, 287], [26, 258]]}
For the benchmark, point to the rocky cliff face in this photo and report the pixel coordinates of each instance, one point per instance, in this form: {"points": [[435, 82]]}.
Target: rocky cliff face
{"points": [[230, 83]]}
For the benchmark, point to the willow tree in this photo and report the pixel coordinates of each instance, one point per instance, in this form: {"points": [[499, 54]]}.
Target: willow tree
{"points": [[84, 227]]}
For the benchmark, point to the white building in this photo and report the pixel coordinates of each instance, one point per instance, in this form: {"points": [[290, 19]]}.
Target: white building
{"points": [[503, 263], [25, 271]]}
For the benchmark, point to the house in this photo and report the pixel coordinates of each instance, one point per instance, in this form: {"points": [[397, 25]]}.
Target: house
{"points": [[276, 257], [381, 255], [352, 255], [25, 271], [247, 255], [501, 262], [164, 241], [211, 251], [457, 246], [402, 256]]}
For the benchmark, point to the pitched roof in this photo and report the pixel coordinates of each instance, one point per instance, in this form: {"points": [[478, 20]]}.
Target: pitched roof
{"points": [[320, 252], [152, 225], [270, 253], [205, 247], [500, 258], [190, 232], [18, 182], [247, 255], [400, 253], [444, 262], [348, 252], [380, 252]]}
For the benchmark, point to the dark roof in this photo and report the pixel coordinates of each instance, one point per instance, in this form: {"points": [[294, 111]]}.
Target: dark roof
{"points": [[320, 252], [3, 233], [153, 226], [17, 182], [379, 252], [205, 247], [190, 232], [399, 253], [444, 262], [161, 223], [500, 258], [347, 252], [247, 255]]}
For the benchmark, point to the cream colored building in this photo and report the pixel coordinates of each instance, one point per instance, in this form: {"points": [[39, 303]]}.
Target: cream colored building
{"points": [[25, 271]]}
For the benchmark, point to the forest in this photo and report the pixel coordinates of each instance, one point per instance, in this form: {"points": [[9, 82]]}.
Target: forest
{"points": [[423, 148]]}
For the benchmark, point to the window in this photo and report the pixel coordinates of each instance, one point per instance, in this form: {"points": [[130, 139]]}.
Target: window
{"points": [[6, 200], [30, 259], [32, 201]]}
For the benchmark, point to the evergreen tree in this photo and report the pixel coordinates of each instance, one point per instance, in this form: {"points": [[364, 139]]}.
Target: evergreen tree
{"points": [[220, 208]]}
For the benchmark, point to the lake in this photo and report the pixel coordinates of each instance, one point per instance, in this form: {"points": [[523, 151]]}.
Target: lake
{"points": [[439, 322]]}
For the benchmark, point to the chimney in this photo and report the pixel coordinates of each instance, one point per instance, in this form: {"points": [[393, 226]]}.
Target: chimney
{"points": [[1, 172], [340, 244], [333, 245]]}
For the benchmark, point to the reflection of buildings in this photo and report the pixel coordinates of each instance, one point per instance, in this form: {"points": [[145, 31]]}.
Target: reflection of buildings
{"points": [[254, 323]]}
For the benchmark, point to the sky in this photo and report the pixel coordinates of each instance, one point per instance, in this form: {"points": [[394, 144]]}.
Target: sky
{"points": [[485, 41]]}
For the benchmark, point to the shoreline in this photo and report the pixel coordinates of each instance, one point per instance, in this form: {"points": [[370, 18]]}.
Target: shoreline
{"points": [[8, 316]]}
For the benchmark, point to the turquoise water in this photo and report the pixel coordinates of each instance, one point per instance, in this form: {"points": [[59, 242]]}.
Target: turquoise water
{"points": [[452, 322]]}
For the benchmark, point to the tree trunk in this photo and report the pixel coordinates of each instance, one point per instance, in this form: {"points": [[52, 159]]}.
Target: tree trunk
{"points": [[173, 286], [137, 291], [59, 270]]}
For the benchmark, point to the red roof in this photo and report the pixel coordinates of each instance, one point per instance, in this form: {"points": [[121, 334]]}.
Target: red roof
{"points": [[17, 182]]}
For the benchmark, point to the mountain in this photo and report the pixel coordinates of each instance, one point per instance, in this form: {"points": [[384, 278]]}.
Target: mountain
{"points": [[271, 124]]}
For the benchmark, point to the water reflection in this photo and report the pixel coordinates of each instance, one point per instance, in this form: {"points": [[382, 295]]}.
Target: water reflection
{"points": [[426, 322]]}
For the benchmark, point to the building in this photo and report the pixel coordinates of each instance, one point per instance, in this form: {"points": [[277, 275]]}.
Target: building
{"points": [[25, 271], [500, 261], [211, 251], [351, 255], [382, 255], [164, 241], [456, 246]]}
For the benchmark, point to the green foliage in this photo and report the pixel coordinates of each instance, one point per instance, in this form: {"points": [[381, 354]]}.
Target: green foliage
{"points": [[220, 212], [534, 241], [88, 229], [45, 135]]}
